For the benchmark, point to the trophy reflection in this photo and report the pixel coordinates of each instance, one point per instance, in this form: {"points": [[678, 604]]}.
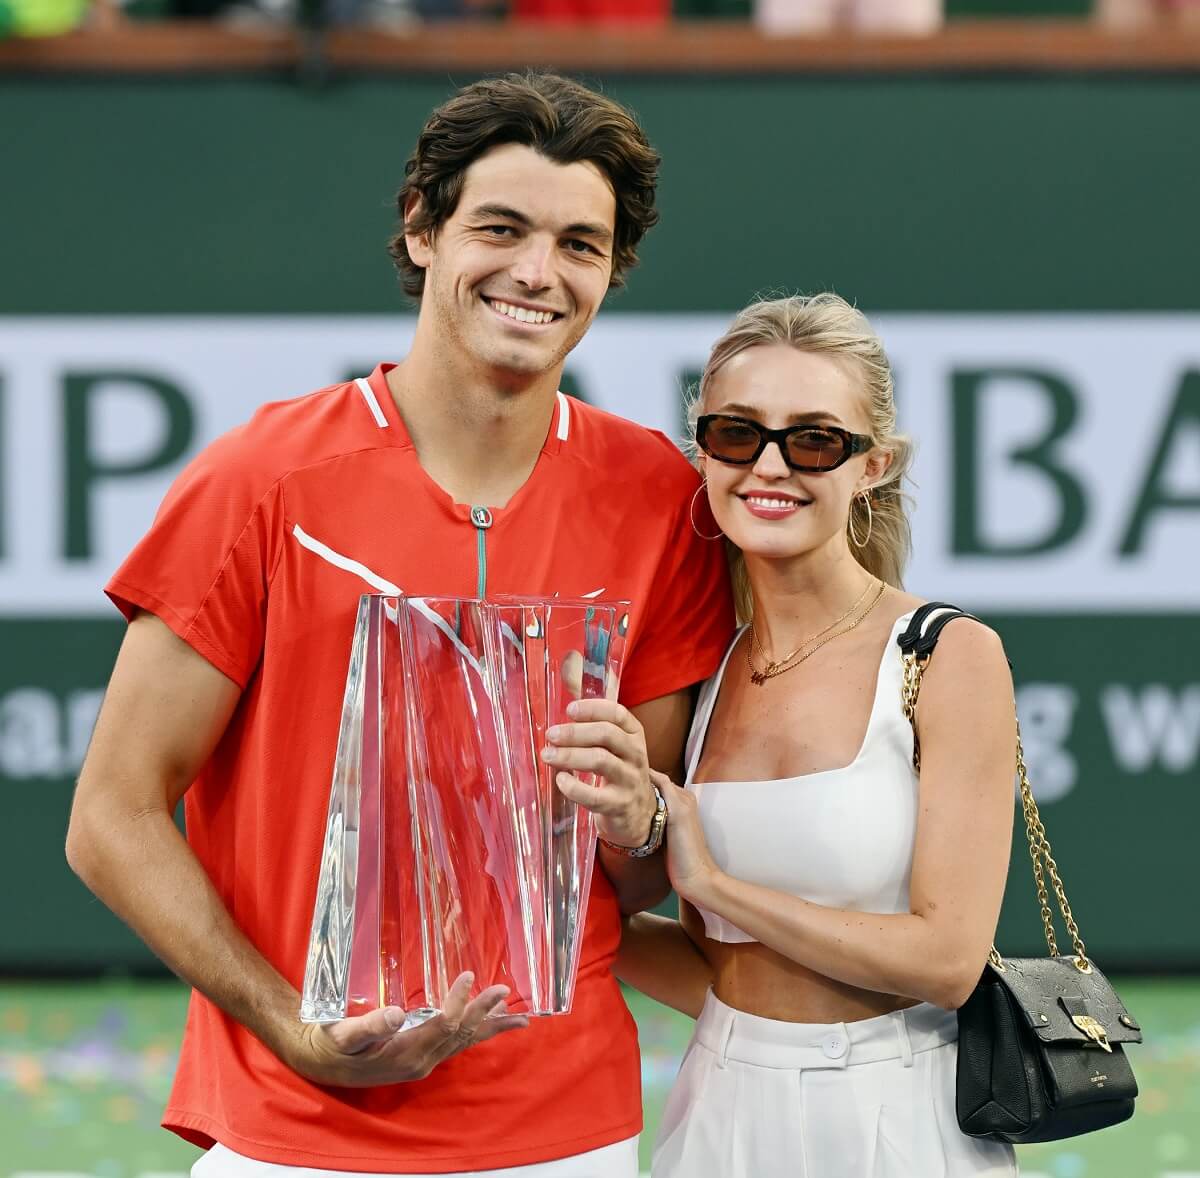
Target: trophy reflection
{"points": [[448, 846]]}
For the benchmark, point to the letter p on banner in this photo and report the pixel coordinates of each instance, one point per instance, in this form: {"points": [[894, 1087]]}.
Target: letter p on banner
{"points": [[84, 404]]}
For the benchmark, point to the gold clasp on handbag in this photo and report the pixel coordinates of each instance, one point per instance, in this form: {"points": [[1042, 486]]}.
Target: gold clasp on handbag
{"points": [[1092, 1029]]}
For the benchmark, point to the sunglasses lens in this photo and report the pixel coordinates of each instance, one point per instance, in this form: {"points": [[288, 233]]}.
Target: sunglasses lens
{"points": [[733, 441], [816, 449]]}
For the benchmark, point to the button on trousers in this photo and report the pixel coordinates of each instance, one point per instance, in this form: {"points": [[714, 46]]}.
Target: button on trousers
{"points": [[759, 1098]]}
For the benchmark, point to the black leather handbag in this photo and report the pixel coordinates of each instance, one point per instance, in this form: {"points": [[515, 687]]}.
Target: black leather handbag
{"points": [[1040, 1039]]}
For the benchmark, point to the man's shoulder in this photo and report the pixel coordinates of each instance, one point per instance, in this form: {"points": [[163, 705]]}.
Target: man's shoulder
{"points": [[283, 437], [631, 452]]}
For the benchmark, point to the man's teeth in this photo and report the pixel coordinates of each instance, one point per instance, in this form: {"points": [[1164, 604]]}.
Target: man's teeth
{"points": [[522, 314], [763, 501]]}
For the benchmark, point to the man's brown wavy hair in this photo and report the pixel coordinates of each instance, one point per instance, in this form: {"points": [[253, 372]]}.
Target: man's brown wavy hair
{"points": [[562, 120]]}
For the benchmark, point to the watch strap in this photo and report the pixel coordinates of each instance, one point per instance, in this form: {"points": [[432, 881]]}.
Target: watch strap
{"points": [[658, 828]]}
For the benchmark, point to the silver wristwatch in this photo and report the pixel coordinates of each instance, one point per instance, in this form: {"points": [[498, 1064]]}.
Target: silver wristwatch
{"points": [[658, 828]]}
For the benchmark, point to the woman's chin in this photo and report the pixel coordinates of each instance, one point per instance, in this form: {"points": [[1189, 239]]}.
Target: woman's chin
{"points": [[759, 547]]}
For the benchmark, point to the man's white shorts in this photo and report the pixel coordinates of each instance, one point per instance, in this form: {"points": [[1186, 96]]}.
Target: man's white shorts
{"points": [[611, 1161]]}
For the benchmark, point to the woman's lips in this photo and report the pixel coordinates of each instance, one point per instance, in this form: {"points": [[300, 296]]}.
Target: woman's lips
{"points": [[772, 506]]}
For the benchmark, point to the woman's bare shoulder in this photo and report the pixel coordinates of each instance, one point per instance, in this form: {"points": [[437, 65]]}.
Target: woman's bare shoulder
{"points": [[967, 648]]}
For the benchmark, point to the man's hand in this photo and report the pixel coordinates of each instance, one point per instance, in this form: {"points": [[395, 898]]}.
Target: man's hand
{"points": [[371, 1049], [605, 738]]}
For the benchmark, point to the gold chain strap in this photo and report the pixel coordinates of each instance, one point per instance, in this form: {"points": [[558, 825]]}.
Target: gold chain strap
{"points": [[1039, 852], [909, 690], [1035, 831]]}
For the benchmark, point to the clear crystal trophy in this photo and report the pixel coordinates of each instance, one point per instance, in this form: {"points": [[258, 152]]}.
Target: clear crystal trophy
{"points": [[448, 846]]}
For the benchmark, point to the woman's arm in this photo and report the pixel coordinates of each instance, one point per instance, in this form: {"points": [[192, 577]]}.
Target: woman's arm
{"points": [[936, 951], [658, 958]]}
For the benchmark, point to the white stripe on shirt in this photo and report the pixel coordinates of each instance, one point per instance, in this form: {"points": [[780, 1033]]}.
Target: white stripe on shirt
{"points": [[372, 404], [382, 585], [564, 417]]}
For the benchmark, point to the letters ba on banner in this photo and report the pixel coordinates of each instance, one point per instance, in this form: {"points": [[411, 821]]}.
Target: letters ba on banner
{"points": [[448, 846]]}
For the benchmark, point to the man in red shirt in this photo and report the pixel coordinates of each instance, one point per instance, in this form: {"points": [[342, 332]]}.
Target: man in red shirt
{"points": [[460, 471]]}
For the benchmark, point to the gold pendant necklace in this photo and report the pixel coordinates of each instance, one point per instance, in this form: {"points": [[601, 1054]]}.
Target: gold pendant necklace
{"points": [[758, 678], [773, 663]]}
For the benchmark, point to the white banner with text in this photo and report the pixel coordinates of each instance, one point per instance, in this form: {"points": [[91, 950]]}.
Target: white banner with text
{"points": [[1058, 462]]}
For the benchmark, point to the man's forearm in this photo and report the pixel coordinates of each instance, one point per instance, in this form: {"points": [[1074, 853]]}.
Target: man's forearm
{"points": [[658, 958], [143, 869], [639, 883]]}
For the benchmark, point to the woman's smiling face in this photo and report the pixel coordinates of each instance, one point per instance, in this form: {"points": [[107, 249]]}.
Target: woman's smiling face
{"points": [[766, 508]]}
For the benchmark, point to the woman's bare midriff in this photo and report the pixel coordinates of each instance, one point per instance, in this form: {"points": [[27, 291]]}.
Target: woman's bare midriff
{"points": [[752, 978]]}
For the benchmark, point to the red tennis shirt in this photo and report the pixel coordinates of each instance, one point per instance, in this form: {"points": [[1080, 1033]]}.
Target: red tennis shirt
{"points": [[257, 558]]}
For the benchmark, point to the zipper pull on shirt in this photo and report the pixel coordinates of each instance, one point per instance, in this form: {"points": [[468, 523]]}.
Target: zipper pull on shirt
{"points": [[481, 518]]}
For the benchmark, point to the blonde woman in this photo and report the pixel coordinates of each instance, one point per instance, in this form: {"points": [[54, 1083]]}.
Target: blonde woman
{"points": [[835, 906]]}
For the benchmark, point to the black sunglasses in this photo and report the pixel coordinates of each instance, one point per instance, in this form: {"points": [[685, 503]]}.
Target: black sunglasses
{"points": [[808, 448]]}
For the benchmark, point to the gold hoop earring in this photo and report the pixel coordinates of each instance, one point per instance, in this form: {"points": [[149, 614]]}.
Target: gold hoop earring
{"points": [[692, 515], [866, 498]]}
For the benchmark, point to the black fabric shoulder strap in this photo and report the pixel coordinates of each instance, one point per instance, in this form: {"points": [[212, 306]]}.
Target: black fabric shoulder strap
{"points": [[921, 634]]}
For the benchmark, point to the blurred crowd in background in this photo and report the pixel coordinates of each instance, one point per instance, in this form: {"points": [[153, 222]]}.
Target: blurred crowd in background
{"points": [[32, 18]]}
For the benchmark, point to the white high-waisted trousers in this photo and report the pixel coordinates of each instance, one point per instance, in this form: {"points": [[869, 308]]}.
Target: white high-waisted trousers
{"points": [[759, 1098]]}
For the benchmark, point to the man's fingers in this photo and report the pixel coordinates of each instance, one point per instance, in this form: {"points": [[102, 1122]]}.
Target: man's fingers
{"points": [[595, 734], [498, 1024], [454, 1004], [490, 1001], [591, 797], [458, 1013], [485, 1002], [605, 710], [352, 1035], [457, 1034], [591, 760]]}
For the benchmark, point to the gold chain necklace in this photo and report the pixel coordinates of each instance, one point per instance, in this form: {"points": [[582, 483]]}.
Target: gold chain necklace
{"points": [[758, 678], [770, 663]]}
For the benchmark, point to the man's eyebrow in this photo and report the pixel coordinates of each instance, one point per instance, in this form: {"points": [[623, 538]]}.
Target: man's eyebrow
{"points": [[578, 229], [502, 211], [586, 229]]}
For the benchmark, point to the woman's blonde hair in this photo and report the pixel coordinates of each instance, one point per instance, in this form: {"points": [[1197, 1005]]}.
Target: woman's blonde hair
{"points": [[826, 324]]}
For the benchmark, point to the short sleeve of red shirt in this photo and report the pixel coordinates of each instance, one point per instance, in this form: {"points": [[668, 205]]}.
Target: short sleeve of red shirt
{"points": [[688, 618], [204, 566]]}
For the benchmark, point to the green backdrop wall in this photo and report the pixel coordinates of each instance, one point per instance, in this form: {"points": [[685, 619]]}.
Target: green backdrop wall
{"points": [[1054, 193], [251, 197]]}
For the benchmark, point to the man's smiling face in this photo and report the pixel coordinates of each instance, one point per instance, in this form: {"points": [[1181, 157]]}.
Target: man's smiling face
{"points": [[515, 276]]}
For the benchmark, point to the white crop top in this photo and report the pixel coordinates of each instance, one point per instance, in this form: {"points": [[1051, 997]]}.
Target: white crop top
{"points": [[842, 838]]}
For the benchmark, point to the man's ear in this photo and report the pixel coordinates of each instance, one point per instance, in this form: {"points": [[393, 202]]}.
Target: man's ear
{"points": [[419, 245]]}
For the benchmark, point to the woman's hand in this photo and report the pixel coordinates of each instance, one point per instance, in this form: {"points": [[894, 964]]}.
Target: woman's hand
{"points": [[689, 861], [605, 738]]}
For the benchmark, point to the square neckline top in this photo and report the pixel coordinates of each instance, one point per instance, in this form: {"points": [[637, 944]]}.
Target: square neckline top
{"points": [[847, 842], [712, 690]]}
